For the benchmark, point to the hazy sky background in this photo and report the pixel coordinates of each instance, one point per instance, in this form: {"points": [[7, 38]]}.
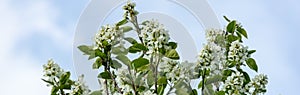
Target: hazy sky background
{"points": [[33, 31]]}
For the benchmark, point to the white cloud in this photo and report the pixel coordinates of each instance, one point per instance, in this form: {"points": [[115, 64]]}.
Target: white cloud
{"points": [[20, 72]]}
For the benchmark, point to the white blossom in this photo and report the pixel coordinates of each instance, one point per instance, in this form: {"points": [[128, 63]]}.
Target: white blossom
{"points": [[258, 84], [212, 56], [80, 87], [154, 35], [111, 34], [147, 92], [52, 71], [234, 84], [237, 52]]}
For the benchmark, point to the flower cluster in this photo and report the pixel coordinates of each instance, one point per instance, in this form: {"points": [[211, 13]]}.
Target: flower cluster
{"points": [[59, 80], [215, 36], [258, 84], [175, 70], [237, 52], [154, 35], [129, 9], [234, 84], [52, 71], [108, 35], [212, 55], [79, 87]]}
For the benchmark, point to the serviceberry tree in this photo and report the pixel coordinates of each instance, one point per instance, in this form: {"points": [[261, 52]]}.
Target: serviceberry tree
{"points": [[155, 68]]}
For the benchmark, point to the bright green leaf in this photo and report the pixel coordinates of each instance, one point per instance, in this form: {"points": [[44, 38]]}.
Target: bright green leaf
{"points": [[173, 45], [227, 72], [49, 82], [54, 90], [130, 40], [232, 38], [137, 63], [104, 75], [122, 22], [247, 78], [97, 64], [242, 31], [220, 93], [226, 18], [172, 54], [162, 80], [194, 92], [231, 26], [252, 64], [251, 51], [137, 48], [64, 77]]}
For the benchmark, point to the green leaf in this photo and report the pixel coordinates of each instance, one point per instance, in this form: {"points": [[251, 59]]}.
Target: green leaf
{"points": [[97, 64], [231, 26], [213, 79], [100, 54], [220, 93], [137, 63], [251, 51], [49, 82], [150, 78], [226, 18], [161, 89], [227, 72], [88, 50], [201, 83], [247, 78], [97, 53], [194, 92], [116, 64], [232, 38], [104, 75], [172, 54], [242, 31], [231, 64], [252, 64], [85, 49], [54, 90], [162, 51], [162, 80], [145, 22], [67, 85], [126, 28], [105, 43], [130, 40], [97, 92], [173, 45], [208, 89], [119, 50], [181, 91], [122, 22], [124, 59], [64, 77], [137, 48]]}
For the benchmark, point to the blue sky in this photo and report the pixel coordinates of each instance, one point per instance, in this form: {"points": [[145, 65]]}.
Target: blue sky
{"points": [[34, 31]]}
